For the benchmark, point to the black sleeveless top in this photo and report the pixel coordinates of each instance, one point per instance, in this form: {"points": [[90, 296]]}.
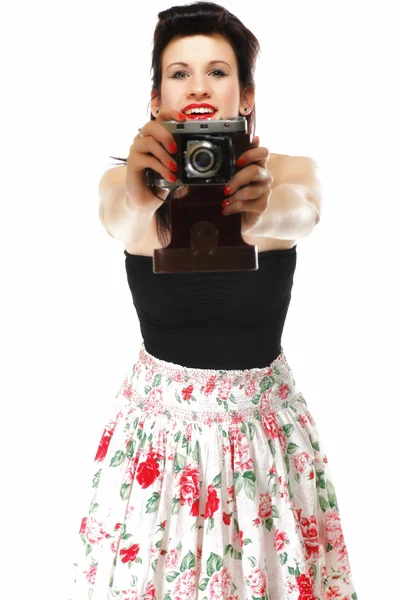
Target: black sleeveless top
{"points": [[229, 320]]}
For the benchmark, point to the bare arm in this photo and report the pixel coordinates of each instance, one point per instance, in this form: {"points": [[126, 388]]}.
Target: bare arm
{"points": [[119, 214]]}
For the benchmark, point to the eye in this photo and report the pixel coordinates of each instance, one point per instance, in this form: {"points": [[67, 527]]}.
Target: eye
{"points": [[174, 76]]}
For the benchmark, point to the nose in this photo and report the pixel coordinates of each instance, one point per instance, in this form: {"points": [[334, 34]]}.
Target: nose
{"points": [[199, 87]]}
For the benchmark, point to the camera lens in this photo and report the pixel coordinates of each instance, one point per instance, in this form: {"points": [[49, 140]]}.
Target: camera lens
{"points": [[203, 159]]}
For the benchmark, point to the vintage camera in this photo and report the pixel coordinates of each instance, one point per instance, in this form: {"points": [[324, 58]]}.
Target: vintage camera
{"points": [[202, 238]]}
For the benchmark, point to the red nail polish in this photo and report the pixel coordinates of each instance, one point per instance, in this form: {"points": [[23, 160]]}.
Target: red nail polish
{"points": [[226, 203], [240, 162], [172, 177], [173, 147], [227, 190], [172, 166]]}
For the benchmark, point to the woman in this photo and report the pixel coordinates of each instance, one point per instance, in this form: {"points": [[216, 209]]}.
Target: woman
{"points": [[210, 481]]}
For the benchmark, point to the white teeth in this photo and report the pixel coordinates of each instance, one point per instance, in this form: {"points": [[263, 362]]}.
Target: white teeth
{"points": [[199, 111]]}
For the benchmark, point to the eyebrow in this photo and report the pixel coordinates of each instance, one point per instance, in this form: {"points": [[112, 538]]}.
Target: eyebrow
{"points": [[212, 62]]}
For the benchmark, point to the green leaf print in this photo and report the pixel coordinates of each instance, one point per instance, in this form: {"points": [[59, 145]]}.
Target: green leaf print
{"points": [[243, 427], [96, 479], [297, 477], [135, 422], [287, 463], [252, 561], [228, 548], [268, 523], [142, 441], [249, 488], [323, 503], [354, 596], [171, 576], [154, 564], [179, 462], [210, 525], [256, 399], [291, 570], [124, 491], [249, 475], [175, 506], [177, 436], [238, 482], [203, 583], [291, 448], [196, 451], [237, 554], [117, 459], [251, 430], [314, 569], [156, 381], [265, 384], [331, 495], [188, 562], [214, 563], [283, 557], [88, 549], [217, 481], [320, 478], [297, 572], [275, 512], [153, 502], [288, 429], [271, 444], [131, 449]]}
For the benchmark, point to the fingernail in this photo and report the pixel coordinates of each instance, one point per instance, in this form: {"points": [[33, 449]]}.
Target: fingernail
{"points": [[227, 190], [240, 162], [182, 116], [173, 166], [226, 203], [173, 147], [172, 177]]}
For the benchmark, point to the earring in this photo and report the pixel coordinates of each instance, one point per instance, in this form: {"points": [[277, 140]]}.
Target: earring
{"points": [[157, 111], [245, 109]]}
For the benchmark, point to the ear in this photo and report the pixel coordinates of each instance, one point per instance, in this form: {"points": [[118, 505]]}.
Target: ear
{"points": [[155, 102], [248, 98]]}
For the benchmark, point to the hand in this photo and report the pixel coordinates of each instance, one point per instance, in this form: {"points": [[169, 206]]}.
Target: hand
{"points": [[152, 148], [250, 188]]}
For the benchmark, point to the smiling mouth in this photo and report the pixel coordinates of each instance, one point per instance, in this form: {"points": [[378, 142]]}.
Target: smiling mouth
{"points": [[197, 116]]}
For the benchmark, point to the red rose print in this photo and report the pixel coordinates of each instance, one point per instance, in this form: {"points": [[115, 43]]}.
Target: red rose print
{"points": [[129, 554], [283, 391], [280, 538], [305, 588], [226, 518], [309, 530], [187, 392], [147, 472], [212, 502], [83, 525], [150, 592], [265, 506], [189, 485], [104, 443], [194, 511]]}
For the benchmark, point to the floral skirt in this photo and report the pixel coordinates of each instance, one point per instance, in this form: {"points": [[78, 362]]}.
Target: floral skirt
{"points": [[211, 485]]}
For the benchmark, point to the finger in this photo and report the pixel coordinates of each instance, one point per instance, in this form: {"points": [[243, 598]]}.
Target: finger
{"points": [[149, 153], [160, 133], [254, 205], [259, 155], [248, 193], [253, 172]]}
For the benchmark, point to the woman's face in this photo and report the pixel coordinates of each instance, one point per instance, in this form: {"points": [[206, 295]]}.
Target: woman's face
{"points": [[209, 75]]}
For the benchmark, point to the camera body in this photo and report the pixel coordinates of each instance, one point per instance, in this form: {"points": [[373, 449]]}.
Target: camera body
{"points": [[207, 151], [202, 239]]}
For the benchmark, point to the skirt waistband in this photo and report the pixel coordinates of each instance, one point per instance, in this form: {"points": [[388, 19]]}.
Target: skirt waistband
{"points": [[210, 395]]}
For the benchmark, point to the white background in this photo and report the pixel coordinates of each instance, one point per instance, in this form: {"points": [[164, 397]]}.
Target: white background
{"points": [[77, 87]]}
